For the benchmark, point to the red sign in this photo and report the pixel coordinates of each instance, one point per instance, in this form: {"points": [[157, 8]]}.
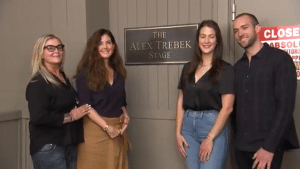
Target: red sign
{"points": [[279, 33], [286, 38]]}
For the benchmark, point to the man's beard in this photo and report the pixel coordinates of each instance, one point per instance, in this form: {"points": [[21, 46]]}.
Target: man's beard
{"points": [[251, 41]]}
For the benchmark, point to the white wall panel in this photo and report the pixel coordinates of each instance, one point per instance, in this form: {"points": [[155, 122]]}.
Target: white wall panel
{"points": [[183, 11], [176, 9], [173, 12], [76, 31], [131, 12], [22, 22], [142, 83], [162, 72], [152, 69], [150, 148], [162, 12], [132, 73], [58, 19], [122, 22], [206, 9], [195, 12], [96, 15]]}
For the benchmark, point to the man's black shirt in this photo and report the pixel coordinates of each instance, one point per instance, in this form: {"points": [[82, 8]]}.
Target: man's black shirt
{"points": [[265, 97]]}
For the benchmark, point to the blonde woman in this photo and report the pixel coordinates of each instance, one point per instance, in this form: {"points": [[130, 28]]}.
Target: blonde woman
{"points": [[55, 126], [100, 83]]}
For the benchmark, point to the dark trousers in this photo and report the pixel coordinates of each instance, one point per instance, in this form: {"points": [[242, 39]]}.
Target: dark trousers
{"points": [[244, 159]]}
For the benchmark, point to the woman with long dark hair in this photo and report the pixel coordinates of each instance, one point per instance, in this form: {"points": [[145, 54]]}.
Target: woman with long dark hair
{"points": [[100, 80], [205, 101], [55, 124]]}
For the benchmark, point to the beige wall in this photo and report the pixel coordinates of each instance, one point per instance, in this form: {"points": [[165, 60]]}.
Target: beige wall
{"points": [[22, 22], [96, 15], [14, 141]]}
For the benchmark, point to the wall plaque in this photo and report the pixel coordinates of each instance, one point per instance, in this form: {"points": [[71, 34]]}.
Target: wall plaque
{"points": [[160, 45]]}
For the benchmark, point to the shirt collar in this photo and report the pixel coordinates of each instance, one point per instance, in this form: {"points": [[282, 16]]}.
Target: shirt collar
{"points": [[260, 54]]}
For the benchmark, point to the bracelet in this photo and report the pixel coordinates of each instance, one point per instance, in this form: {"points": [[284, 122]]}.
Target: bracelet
{"points": [[105, 128], [209, 138]]}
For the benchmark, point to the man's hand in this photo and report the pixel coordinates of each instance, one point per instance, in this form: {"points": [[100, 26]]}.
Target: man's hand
{"points": [[262, 158]]}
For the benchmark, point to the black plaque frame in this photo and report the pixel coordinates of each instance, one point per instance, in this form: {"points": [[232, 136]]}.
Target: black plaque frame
{"points": [[173, 44]]}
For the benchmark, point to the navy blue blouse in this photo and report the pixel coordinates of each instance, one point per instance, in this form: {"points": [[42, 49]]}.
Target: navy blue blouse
{"points": [[107, 102]]}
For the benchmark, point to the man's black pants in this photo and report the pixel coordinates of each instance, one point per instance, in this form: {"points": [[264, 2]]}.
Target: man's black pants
{"points": [[244, 159]]}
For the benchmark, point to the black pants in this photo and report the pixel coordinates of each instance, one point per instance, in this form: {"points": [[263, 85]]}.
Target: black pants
{"points": [[244, 159]]}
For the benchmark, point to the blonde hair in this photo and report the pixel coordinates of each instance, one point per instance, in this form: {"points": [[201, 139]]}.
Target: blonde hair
{"points": [[37, 61]]}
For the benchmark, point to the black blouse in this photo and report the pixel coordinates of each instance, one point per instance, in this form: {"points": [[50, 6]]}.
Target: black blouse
{"points": [[47, 105], [107, 102], [203, 95]]}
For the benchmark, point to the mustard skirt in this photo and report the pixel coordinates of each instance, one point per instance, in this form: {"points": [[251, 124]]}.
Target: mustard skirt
{"points": [[99, 151]]}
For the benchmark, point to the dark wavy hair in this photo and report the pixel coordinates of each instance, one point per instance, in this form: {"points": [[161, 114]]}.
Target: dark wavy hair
{"points": [[216, 68], [94, 63]]}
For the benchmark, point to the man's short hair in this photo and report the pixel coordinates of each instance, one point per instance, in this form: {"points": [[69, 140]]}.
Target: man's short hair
{"points": [[253, 18]]}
